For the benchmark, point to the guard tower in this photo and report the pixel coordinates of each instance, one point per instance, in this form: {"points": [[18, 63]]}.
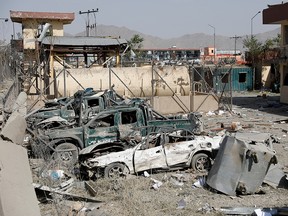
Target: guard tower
{"points": [[33, 25]]}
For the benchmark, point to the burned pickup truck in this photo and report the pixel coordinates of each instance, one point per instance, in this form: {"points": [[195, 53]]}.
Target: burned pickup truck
{"points": [[77, 109], [111, 130]]}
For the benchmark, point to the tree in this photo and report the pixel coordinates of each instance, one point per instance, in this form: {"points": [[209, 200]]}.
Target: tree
{"points": [[257, 52], [254, 48], [135, 42]]}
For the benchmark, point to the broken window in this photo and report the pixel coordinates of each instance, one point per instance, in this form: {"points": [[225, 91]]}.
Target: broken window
{"points": [[104, 121], [93, 102], [242, 77], [151, 141], [129, 117]]}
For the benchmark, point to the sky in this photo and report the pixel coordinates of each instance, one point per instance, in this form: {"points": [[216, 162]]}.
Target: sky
{"points": [[161, 18]]}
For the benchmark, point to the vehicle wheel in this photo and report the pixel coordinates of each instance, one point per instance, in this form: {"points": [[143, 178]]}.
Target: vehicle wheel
{"points": [[66, 152], [115, 170], [201, 162]]}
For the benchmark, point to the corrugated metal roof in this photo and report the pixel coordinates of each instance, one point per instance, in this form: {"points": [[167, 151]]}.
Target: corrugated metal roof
{"points": [[82, 41]]}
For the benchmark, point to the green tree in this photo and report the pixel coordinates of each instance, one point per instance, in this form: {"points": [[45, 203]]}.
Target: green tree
{"points": [[257, 52], [135, 42], [254, 48]]}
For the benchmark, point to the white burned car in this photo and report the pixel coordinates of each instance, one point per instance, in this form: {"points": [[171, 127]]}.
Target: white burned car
{"points": [[166, 151]]}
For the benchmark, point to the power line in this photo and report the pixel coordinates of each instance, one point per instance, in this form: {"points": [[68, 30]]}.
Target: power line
{"points": [[235, 37], [88, 26]]}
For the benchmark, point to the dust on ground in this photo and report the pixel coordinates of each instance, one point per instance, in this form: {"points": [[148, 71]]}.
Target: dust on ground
{"points": [[177, 194]]}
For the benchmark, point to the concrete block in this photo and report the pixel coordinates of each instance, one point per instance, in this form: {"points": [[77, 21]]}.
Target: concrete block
{"points": [[14, 129], [20, 104], [17, 194]]}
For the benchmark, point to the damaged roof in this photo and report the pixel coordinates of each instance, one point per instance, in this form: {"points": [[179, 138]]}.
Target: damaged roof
{"points": [[82, 41], [19, 16]]}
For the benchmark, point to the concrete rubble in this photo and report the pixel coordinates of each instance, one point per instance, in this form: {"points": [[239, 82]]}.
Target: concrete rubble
{"points": [[17, 194]]}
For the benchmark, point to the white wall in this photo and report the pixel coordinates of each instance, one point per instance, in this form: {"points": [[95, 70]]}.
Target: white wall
{"points": [[138, 79]]}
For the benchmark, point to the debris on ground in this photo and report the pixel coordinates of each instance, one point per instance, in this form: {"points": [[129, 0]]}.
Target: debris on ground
{"points": [[248, 177]]}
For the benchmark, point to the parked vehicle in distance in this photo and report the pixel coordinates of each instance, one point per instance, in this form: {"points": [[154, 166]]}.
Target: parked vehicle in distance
{"points": [[111, 129], [176, 149]]}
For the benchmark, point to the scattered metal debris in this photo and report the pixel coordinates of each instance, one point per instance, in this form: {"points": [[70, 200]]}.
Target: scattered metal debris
{"points": [[181, 204], [156, 184], [242, 162], [61, 191]]}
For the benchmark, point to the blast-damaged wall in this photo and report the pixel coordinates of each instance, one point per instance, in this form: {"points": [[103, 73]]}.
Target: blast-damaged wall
{"points": [[137, 79]]}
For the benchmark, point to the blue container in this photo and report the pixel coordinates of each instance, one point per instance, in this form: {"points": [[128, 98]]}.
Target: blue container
{"points": [[241, 79]]}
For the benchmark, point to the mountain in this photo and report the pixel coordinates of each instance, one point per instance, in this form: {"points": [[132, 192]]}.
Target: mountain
{"points": [[197, 40]]}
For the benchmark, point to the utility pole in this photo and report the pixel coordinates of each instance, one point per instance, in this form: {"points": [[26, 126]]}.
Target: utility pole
{"points": [[231, 70], [252, 22], [214, 51], [235, 37], [88, 20]]}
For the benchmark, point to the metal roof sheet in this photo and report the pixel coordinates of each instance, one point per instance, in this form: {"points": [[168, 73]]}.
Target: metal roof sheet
{"points": [[82, 41]]}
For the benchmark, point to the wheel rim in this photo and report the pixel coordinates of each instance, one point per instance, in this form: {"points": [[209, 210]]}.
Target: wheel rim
{"points": [[66, 153], [202, 163], [66, 156], [116, 171]]}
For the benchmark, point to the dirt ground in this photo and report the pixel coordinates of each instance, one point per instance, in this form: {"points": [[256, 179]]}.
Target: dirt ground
{"points": [[177, 194]]}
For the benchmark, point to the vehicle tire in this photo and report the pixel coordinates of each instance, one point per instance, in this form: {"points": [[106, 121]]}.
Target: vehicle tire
{"points": [[67, 153], [115, 170], [201, 162]]}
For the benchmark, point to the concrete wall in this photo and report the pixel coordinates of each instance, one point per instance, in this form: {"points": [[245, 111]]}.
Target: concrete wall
{"points": [[283, 88], [284, 94], [195, 103], [138, 79], [30, 32], [17, 195], [203, 103], [57, 28], [167, 104], [266, 79]]}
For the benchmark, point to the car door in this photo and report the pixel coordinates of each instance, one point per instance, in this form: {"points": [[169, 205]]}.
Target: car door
{"points": [[102, 129], [178, 152], [130, 122], [150, 155]]}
